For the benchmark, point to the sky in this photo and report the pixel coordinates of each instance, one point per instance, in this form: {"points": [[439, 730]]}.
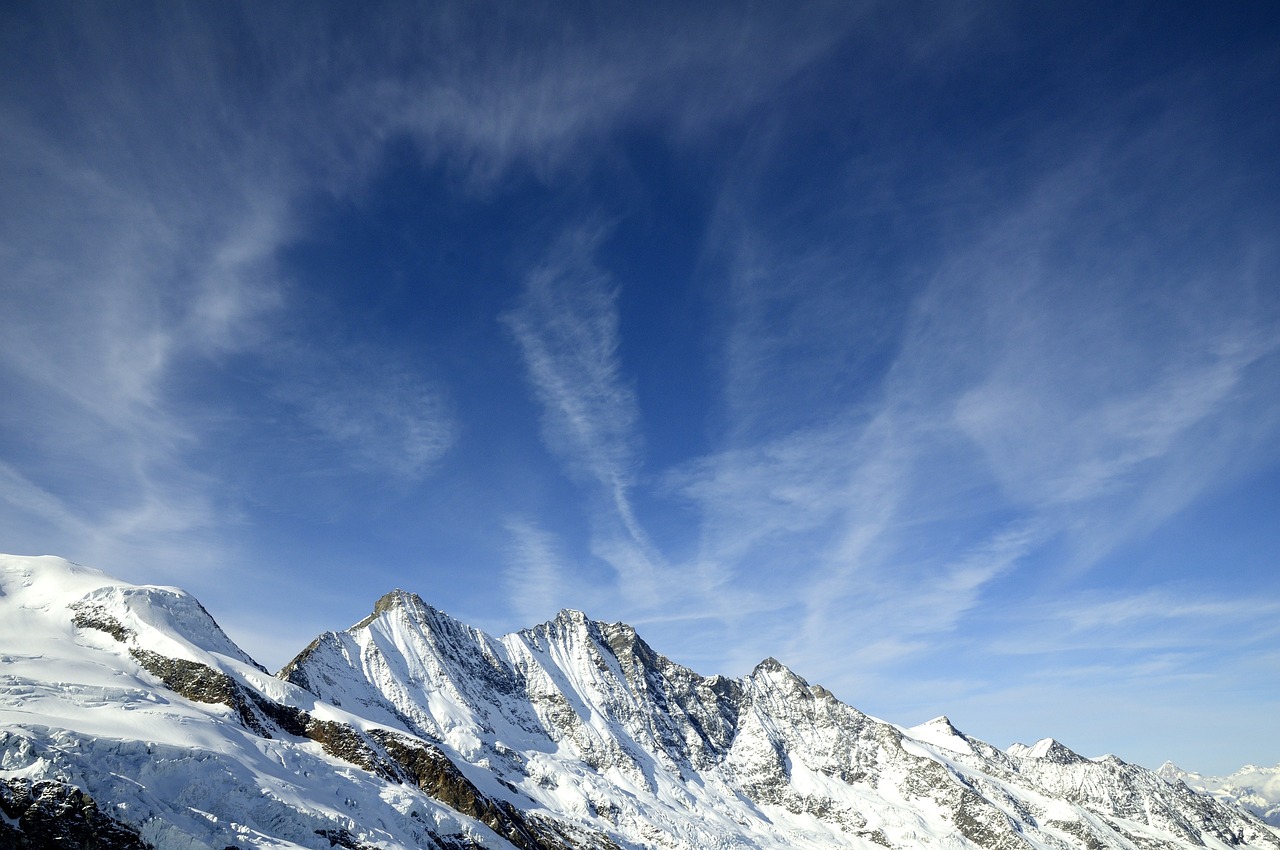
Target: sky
{"points": [[932, 349]]}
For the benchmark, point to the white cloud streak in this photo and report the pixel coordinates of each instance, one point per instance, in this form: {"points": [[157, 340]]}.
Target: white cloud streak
{"points": [[539, 576], [142, 217], [535, 89], [154, 167], [379, 413], [566, 325]]}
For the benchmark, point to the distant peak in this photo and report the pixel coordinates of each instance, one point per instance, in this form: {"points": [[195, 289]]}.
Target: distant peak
{"points": [[620, 637], [566, 625], [621, 629], [570, 621], [941, 722], [941, 732], [1048, 749], [628, 646]]}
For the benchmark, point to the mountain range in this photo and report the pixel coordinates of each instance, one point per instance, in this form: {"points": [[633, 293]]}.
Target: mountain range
{"points": [[128, 719], [1255, 789]]}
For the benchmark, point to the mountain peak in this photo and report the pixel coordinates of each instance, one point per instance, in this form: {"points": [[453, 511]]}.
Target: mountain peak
{"points": [[941, 732], [41, 580], [771, 665], [572, 618], [401, 600], [567, 624], [940, 725], [397, 599], [773, 675], [1048, 749], [941, 722]]}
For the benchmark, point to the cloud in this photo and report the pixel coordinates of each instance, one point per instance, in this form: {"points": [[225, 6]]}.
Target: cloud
{"points": [[386, 418], [143, 217], [538, 576], [26, 498], [97, 316], [153, 175], [1164, 617], [1171, 655], [566, 325], [546, 93], [1082, 358], [749, 495]]}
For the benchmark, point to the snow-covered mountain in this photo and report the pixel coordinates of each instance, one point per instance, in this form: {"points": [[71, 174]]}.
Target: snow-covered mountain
{"points": [[1255, 789], [128, 719]]}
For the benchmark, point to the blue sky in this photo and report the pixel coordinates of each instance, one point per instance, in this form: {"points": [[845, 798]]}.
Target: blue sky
{"points": [[933, 349]]}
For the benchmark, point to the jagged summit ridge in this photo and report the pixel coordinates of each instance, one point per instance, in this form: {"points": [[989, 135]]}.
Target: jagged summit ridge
{"points": [[538, 705], [397, 599], [1048, 749]]}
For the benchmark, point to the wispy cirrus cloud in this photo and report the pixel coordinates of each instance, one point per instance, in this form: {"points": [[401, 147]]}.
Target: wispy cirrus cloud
{"points": [[1035, 402], [1137, 666], [537, 91], [539, 578], [1169, 618], [101, 305], [383, 416], [155, 166], [566, 327], [1000, 424], [142, 220]]}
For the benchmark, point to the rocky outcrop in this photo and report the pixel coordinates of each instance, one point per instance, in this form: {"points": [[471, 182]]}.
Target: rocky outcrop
{"points": [[51, 815]]}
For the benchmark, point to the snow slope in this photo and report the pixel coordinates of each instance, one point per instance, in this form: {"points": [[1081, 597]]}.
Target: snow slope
{"points": [[128, 719]]}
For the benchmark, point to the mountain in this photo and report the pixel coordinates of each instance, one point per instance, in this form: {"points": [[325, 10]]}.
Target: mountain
{"points": [[1255, 789], [128, 719]]}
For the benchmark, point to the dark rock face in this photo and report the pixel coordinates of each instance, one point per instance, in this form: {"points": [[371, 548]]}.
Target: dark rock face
{"points": [[432, 771], [199, 683], [96, 617], [52, 815]]}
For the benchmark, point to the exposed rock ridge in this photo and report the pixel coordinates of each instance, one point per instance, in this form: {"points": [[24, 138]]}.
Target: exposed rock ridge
{"points": [[46, 814]]}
